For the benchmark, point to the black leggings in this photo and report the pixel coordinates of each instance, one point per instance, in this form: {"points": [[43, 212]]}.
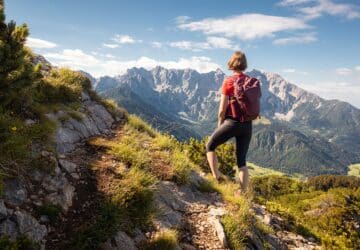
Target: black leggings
{"points": [[231, 128]]}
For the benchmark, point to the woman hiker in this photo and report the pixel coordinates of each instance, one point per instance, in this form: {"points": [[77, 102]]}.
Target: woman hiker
{"points": [[239, 105]]}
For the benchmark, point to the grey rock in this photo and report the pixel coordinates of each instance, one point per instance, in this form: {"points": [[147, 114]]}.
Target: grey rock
{"points": [[8, 227], [3, 210], [215, 222], [15, 193], [29, 226], [68, 166], [121, 241], [62, 192], [29, 122], [96, 120], [85, 96], [37, 175]]}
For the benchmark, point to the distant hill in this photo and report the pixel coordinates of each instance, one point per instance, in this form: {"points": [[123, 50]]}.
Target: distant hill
{"points": [[185, 102]]}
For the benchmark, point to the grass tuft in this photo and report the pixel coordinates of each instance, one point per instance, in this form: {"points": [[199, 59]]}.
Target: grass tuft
{"points": [[164, 240], [138, 124]]}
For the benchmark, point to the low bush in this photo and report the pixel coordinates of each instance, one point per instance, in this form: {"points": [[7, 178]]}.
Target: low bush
{"points": [[273, 186], [325, 182], [196, 152]]}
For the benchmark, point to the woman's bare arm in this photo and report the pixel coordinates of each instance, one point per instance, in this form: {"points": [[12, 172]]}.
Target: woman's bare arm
{"points": [[222, 108]]}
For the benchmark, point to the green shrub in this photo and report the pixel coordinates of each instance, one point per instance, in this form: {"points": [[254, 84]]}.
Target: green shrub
{"points": [[61, 86], [196, 152], [273, 186], [17, 73], [325, 182]]}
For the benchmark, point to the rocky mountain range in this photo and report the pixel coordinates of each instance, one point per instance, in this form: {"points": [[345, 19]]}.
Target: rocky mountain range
{"points": [[301, 125]]}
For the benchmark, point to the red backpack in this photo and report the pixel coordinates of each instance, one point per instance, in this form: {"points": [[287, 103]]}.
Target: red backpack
{"points": [[245, 104]]}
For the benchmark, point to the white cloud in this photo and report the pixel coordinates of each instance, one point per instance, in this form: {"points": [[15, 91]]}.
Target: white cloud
{"points": [[110, 45], [157, 45], [36, 43], [246, 26], [101, 54], [298, 39], [294, 2], [316, 8], [357, 68], [79, 60], [212, 42], [335, 90], [190, 45], [125, 39], [294, 71], [220, 42], [181, 19], [343, 71]]}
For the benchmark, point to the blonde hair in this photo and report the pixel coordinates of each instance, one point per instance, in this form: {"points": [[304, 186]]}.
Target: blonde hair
{"points": [[237, 61]]}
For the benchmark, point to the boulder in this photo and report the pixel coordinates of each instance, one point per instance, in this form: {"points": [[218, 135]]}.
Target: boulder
{"points": [[3, 211], [215, 222], [60, 189], [67, 166], [96, 120], [29, 226], [15, 193]]}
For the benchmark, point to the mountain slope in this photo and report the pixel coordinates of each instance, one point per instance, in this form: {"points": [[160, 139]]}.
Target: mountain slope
{"points": [[329, 129]]}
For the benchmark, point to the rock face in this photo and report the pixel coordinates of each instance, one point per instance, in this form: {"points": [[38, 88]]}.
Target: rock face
{"points": [[15, 192], [56, 186], [95, 120], [30, 227]]}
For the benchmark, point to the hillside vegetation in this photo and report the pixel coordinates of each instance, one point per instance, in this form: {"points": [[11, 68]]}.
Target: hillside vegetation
{"points": [[325, 207]]}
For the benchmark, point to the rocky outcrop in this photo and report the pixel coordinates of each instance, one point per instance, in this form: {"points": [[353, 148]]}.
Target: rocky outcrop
{"points": [[94, 120], [23, 199], [282, 236]]}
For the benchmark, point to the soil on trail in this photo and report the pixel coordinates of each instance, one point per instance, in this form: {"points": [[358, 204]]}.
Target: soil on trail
{"points": [[96, 168], [198, 230]]}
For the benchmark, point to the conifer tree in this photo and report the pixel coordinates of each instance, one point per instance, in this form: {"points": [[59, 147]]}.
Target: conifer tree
{"points": [[16, 70]]}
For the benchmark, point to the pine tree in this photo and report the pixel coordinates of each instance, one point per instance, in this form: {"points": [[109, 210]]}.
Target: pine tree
{"points": [[16, 70]]}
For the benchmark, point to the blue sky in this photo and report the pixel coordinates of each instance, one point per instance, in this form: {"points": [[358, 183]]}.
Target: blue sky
{"points": [[313, 43]]}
